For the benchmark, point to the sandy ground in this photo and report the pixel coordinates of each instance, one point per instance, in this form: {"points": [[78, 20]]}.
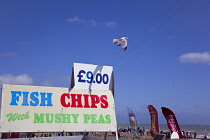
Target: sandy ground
{"points": [[129, 136], [102, 135]]}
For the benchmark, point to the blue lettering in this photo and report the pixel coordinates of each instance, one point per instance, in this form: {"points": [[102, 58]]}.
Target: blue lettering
{"points": [[31, 99], [34, 97], [15, 97], [25, 98], [80, 76], [48, 99]]}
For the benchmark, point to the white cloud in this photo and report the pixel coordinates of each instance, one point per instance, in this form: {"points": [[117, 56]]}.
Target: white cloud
{"points": [[22, 79], [47, 83], [92, 22], [75, 19], [195, 58], [12, 54], [111, 24]]}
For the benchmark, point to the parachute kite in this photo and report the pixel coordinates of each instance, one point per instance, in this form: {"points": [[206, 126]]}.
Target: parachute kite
{"points": [[122, 41]]}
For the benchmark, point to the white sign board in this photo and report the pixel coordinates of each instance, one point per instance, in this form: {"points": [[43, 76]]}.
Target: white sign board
{"points": [[51, 109], [89, 76]]}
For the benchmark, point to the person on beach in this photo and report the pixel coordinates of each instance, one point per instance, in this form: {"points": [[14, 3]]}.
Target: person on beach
{"points": [[183, 134], [140, 131], [195, 135]]}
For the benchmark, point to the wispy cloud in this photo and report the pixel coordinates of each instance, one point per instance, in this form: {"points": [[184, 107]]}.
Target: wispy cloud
{"points": [[22, 79], [75, 19], [53, 79], [47, 83], [111, 24], [91, 22], [195, 58], [10, 54]]}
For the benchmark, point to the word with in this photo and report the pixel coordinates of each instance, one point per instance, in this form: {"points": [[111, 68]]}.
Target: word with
{"points": [[98, 78], [83, 100], [16, 116], [36, 98]]}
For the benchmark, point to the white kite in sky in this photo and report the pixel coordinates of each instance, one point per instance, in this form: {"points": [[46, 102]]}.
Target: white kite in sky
{"points": [[122, 41]]}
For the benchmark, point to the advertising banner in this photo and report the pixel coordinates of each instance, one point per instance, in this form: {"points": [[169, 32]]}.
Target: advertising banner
{"points": [[51, 109], [133, 123], [154, 120], [172, 122]]}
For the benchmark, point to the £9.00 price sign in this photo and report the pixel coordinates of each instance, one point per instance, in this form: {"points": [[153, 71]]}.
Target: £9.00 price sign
{"points": [[99, 78], [89, 76]]}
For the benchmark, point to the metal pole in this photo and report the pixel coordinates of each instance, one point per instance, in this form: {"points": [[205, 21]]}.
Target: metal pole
{"points": [[116, 135]]}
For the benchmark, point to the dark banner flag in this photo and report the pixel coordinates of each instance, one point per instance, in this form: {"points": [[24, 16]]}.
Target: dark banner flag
{"points": [[133, 123], [154, 120], [172, 122]]}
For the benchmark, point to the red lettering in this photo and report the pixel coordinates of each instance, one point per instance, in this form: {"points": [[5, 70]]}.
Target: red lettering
{"points": [[95, 100], [86, 102], [83, 101], [77, 100], [104, 103], [63, 100]]}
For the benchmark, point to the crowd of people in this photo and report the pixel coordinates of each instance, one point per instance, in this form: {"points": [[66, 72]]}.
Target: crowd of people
{"points": [[27, 135], [141, 131]]}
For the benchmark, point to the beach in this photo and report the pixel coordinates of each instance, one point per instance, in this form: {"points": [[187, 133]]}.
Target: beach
{"points": [[201, 130], [129, 136]]}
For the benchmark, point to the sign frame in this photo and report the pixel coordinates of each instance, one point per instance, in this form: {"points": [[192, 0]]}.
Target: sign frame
{"points": [[94, 118]]}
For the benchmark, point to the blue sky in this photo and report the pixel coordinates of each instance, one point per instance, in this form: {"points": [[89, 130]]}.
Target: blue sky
{"points": [[167, 63]]}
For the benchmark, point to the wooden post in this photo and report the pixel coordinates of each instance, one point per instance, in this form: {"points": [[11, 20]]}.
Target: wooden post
{"points": [[105, 135]]}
